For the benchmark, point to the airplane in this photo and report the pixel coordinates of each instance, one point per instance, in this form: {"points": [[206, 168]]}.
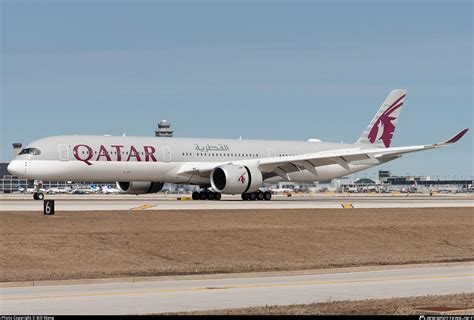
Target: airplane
{"points": [[94, 188], [352, 190], [108, 189], [142, 165], [282, 189], [58, 190]]}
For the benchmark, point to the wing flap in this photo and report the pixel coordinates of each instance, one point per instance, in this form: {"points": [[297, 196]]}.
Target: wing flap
{"points": [[282, 166]]}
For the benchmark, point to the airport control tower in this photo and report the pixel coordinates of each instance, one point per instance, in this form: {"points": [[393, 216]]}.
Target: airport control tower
{"points": [[164, 129], [16, 149]]}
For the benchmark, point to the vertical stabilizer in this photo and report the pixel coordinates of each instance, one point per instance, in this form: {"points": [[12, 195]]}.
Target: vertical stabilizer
{"points": [[380, 131]]}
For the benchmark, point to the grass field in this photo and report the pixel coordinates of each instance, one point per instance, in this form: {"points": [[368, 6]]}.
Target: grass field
{"points": [[448, 304], [72, 245]]}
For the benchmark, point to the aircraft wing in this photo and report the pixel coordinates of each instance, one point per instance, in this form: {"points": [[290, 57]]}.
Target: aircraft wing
{"points": [[282, 166]]}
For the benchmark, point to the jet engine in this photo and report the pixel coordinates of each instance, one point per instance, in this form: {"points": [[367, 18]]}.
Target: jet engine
{"points": [[233, 179], [140, 187]]}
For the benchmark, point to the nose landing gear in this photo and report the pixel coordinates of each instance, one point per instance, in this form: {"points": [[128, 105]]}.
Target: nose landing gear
{"points": [[38, 196]]}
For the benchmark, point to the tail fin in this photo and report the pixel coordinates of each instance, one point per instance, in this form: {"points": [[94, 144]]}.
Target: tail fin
{"points": [[380, 131]]}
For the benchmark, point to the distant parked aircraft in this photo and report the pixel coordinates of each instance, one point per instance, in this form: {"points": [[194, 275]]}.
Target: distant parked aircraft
{"points": [[282, 189], [108, 189]]}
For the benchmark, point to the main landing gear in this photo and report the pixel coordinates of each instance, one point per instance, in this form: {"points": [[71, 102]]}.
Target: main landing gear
{"points": [[259, 195], [38, 196], [210, 195], [206, 195]]}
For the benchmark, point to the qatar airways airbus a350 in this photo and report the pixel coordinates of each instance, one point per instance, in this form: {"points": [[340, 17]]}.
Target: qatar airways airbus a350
{"points": [[142, 165]]}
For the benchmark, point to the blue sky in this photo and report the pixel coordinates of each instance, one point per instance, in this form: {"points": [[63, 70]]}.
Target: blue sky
{"points": [[270, 70]]}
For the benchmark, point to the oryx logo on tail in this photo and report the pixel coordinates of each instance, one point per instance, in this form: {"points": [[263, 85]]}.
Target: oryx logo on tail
{"points": [[379, 132], [384, 127]]}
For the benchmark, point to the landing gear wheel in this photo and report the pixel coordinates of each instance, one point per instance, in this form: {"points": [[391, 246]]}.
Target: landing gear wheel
{"points": [[202, 195], [38, 196], [252, 196], [210, 196], [260, 195], [245, 196], [267, 195], [217, 196], [196, 195]]}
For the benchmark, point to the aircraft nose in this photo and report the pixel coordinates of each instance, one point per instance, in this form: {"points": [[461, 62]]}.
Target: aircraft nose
{"points": [[14, 168]]}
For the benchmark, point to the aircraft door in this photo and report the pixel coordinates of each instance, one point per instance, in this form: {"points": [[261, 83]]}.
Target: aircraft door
{"points": [[271, 153], [63, 152], [166, 154]]}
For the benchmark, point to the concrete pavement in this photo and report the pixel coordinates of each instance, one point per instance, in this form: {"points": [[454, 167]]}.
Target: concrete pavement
{"points": [[188, 295], [116, 202]]}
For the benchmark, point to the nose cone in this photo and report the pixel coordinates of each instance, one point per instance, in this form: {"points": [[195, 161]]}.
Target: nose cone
{"points": [[15, 168]]}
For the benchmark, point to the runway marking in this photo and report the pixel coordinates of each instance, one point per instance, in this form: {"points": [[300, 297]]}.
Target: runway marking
{"points": [[302, 283], [143, 207]]}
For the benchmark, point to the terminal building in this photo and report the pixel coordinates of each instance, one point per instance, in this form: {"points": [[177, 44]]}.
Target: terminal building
{"points": [[387, 178], [9, 183]]}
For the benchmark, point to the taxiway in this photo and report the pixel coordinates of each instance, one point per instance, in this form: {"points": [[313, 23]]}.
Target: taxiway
{"points": [[118, 202], [144, 296]]}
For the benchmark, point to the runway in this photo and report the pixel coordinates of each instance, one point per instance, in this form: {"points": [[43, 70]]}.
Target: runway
{"points": [[187, 295], [119, 202]]}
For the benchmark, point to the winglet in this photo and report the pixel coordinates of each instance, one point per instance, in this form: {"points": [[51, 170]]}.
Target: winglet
{"points": [[457, 137]]}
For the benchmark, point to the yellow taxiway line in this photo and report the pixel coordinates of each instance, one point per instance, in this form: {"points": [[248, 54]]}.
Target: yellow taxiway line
{"points": [[143, 207]]}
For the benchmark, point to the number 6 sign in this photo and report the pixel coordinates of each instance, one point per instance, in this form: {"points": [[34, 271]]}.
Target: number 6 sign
{"points": [[48, 207]]}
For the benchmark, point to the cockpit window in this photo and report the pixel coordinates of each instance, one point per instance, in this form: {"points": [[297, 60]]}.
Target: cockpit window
{"points": [[33, 151]]}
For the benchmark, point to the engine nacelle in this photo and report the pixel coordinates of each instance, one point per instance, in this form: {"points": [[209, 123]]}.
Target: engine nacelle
{"points": [[233, 179], [140, 187]]}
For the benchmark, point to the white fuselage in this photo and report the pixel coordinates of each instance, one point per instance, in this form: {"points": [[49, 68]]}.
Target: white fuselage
{"points": [[108, 158]]}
